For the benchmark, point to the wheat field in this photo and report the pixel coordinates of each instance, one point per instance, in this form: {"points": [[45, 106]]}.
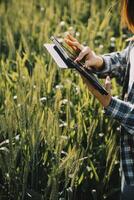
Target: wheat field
{"points": [[55, 141]]}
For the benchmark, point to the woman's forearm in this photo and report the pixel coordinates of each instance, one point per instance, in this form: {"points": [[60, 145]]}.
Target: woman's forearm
{"points": [[103, 99]]}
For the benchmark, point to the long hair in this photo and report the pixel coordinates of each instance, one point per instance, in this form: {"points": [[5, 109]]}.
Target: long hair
{"points": [[127, 13]]}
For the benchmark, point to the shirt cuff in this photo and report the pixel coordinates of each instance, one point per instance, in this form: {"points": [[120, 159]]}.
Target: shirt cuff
{"points": [[112, 109]]}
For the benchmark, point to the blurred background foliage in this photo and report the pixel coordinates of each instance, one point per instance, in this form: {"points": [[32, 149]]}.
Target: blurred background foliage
{"points": [[55, 142]]}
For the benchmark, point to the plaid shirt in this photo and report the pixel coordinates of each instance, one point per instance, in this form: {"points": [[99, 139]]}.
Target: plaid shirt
{"points": [[122, 110]]}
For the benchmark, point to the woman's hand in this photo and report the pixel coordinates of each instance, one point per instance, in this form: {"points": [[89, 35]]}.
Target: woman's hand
{"points": [[91, 59], [103, 99]]}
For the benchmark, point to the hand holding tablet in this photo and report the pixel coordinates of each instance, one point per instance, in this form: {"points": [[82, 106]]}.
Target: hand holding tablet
{"points": [[66, 59]]}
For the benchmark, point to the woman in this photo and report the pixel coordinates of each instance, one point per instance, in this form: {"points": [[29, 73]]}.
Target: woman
{"points": [[121, 110]]}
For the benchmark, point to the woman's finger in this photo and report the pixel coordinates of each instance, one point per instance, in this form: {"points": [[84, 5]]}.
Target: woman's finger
{"points": [[88, 64], [69, 36], [108, 84], [69, 42], [83, 53], [73, 44]]}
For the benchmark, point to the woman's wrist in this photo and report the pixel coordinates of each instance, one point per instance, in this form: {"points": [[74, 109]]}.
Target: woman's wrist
{"points": [[106, 101], [99, 63], [103, 99]]}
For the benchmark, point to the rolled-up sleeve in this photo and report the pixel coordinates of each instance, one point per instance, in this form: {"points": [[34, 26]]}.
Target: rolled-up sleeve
{"points": [[121, 111], [114, 64]]}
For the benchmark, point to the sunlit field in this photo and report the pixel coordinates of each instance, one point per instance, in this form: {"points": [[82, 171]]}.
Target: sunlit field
{"points": [[55, 141]]}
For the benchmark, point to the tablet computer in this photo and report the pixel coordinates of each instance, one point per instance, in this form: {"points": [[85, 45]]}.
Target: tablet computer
{"points": [[65, 59]]}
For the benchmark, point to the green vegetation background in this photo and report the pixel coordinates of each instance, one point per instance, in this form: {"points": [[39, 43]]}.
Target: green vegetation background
{"points": [[55, 142]]}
